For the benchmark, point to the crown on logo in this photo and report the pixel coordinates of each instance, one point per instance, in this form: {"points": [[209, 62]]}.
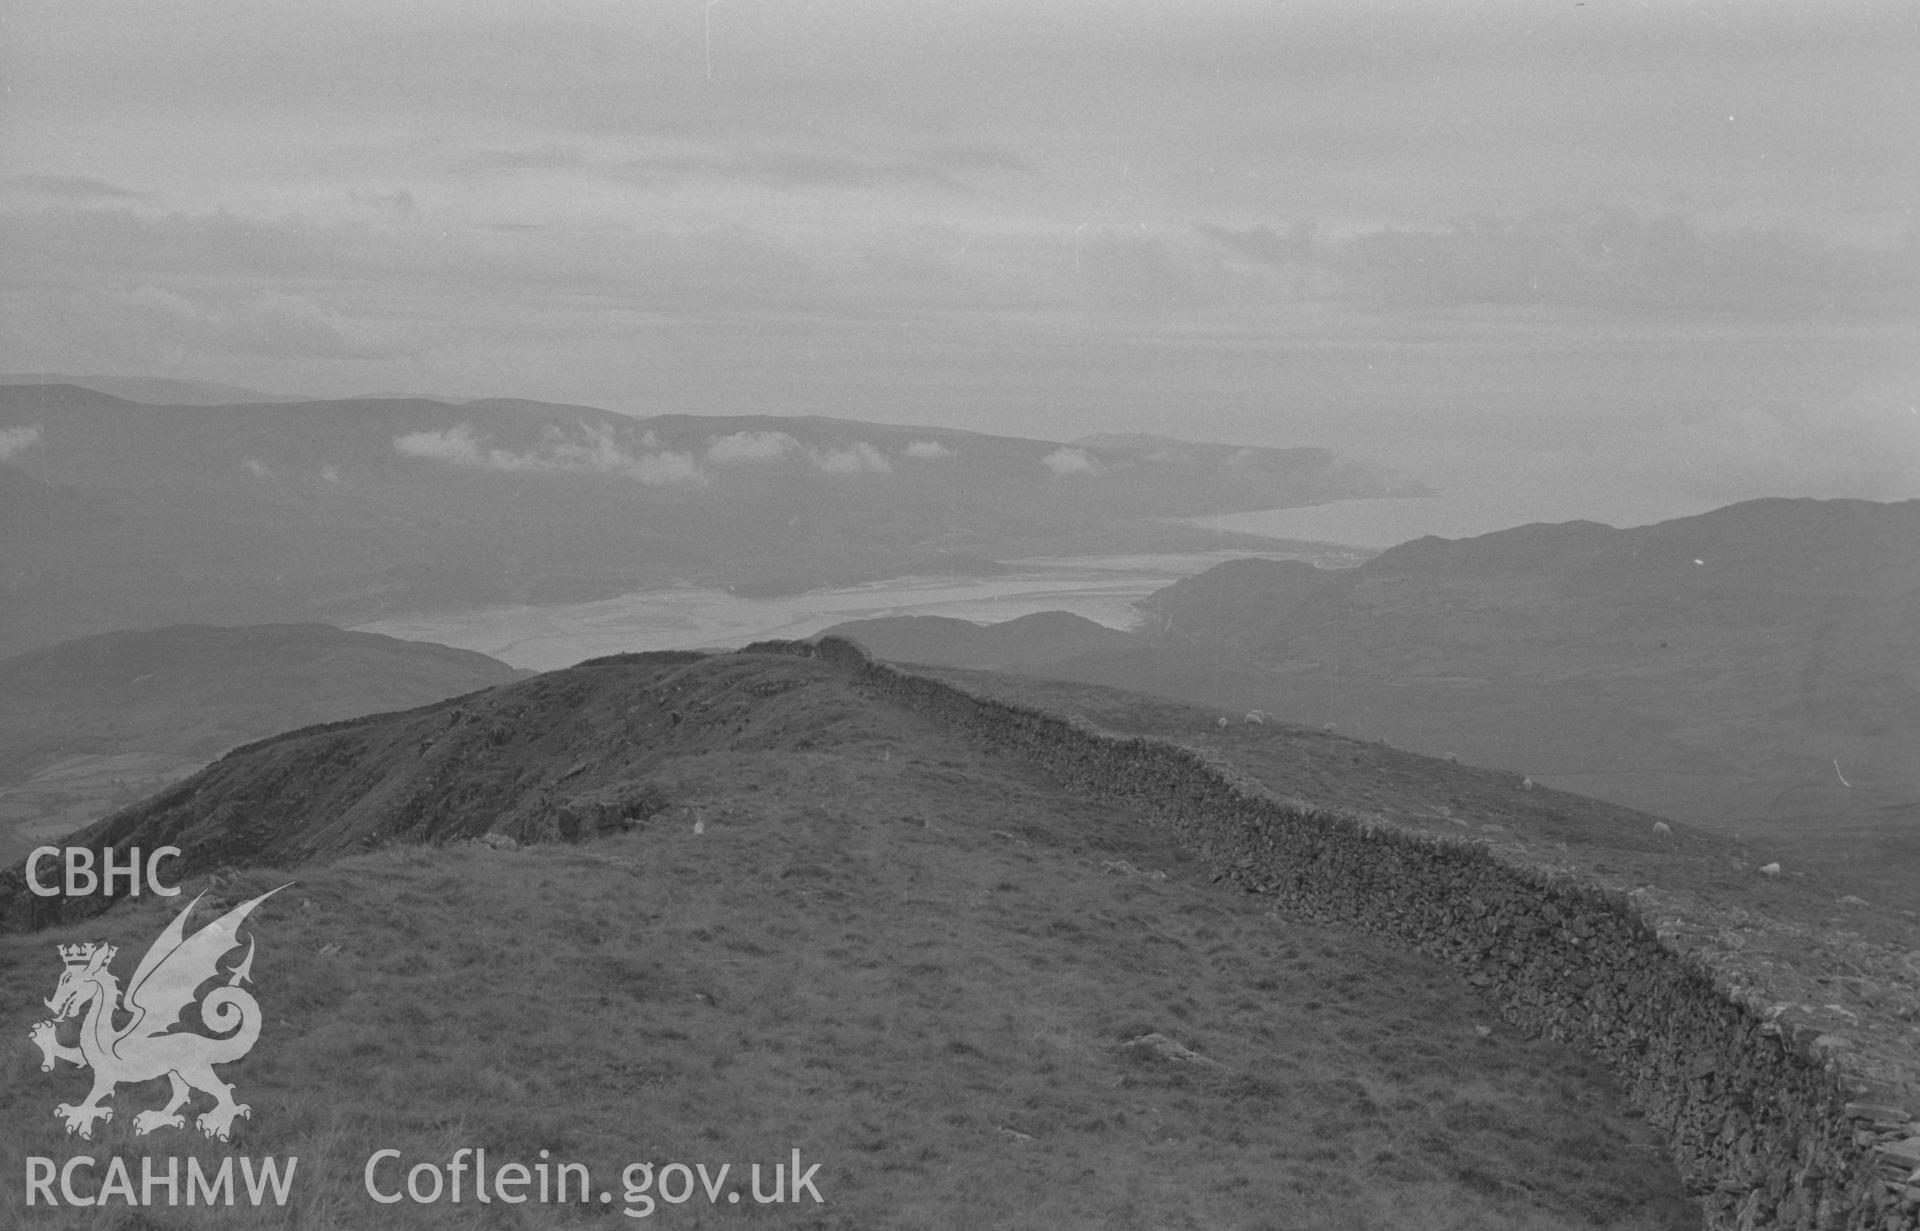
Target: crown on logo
{"points": [[82, 954]]}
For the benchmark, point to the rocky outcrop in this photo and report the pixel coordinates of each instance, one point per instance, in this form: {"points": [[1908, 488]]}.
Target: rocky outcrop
{"points": [[1773, 1121]]}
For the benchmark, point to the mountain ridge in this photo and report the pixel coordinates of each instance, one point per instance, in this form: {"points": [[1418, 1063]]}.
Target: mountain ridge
{"points": [[1756, 667], [929, 966], [156, 390], [604, 748]]}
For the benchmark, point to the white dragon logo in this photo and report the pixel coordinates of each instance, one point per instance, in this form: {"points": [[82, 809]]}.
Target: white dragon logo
{"points": [[141, 1048]]}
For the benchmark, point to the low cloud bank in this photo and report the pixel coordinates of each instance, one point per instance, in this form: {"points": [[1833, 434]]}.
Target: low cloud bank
{"points": [[1064, 461], [594, 451], [748, 447], [591, 449], [17, 440], [272, 324]]}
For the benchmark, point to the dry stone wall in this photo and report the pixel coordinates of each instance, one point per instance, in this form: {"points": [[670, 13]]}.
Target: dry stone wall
{"points": [[1762, 1118]]}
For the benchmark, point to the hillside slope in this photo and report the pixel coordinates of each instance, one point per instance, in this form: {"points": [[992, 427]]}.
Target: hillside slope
{"points": [[92, 724], [1757, 667], [816, 921]]}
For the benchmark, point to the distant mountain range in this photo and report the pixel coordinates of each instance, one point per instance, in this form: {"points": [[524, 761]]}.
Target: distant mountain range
{"points": [[1757, 667], [89, 725], [158, 390], [122, 514]]}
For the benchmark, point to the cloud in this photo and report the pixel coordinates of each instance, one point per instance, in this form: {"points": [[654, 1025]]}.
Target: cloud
{"points": [[1137, 274], [928, 449], [1065, 461], [400, 203], [750, 447], [540, 158], [1613, 259], [857, 458], [660, 469], [593, 450], [1264, 244], [455, 445], [804, 169], [280, 324], [747, 447], [73, 188], [788, 169], [273, 324], [117, 247], [978, 156], [255, 467], [17, 440], [1865, 445], [330, 474]]}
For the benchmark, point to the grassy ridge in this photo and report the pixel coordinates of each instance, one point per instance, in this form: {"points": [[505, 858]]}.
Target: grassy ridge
{"points": [[919, 966], [94, 724]]}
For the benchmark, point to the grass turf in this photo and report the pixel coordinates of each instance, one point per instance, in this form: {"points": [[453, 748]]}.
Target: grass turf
{"points": [[922, 968]]}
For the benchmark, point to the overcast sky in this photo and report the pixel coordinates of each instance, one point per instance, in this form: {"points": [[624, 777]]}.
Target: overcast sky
{"points": [[1620, 260]]}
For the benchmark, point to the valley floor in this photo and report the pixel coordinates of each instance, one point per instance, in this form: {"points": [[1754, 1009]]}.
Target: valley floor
{"points": [[1100, 588]]}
